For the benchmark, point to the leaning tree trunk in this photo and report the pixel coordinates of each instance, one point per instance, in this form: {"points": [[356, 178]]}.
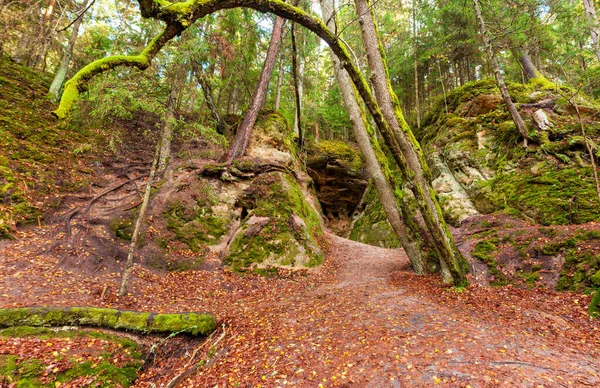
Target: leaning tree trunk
{"points": [[498, 75], [61, 73], [138, 224], [411, 161], [242, 137], [590, 12], [369, 147]]}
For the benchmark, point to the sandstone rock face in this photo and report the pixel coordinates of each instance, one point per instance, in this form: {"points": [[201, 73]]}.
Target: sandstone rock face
{"points": [[479, 165], [256, 213], [340, 181]]}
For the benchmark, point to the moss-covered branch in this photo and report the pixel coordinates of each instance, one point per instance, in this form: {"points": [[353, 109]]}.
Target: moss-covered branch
{"points": [[78, 83], [144, 322]]}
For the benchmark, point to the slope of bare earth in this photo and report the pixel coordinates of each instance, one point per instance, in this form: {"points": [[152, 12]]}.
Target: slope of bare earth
{"points": [[362, 319]]}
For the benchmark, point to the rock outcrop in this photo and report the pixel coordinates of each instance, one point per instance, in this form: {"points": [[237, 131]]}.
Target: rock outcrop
{"points": [[340, 178]]}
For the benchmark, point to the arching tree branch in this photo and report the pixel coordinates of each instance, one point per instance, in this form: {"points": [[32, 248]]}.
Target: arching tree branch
{"points": [[78, 83]]}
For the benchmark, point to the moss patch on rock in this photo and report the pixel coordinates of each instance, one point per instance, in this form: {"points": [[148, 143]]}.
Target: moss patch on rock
{"points": [[280, 228], [192, 220], [372, 227]]}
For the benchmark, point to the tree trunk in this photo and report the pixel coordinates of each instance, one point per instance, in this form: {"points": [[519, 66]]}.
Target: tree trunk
{"points": [[498, 75], [208, 97], [530, 71], [167, 132], [369, 147], [297, 89], [590, 11], [242, 137], [410, 160], [279, 84], [416, 64], [61, 73], [44, 36], [138, 224]]}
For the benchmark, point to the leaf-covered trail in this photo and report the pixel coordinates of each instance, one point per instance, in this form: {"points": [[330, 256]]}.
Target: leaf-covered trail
{"points": [[360, 320]]}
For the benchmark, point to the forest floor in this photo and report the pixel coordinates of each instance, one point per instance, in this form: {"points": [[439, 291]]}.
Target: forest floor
{"points": [[362, 319]]}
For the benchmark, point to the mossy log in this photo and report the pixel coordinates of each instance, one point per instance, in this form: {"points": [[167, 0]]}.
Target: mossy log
{"points": [[144, 322]]}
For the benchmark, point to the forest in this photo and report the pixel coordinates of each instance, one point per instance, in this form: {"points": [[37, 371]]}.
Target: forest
{"points": [[268, 193]]}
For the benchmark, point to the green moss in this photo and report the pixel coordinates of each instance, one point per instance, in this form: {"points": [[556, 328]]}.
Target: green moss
{"points": [[279, 199], [195, 324], [554, 197], [485, 251], [594, 307], [122, 227], [339, 151], [111, 318], [195, 225], [8, 365], [580, 271]]}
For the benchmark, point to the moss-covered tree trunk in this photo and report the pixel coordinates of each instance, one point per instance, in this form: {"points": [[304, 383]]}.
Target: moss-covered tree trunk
{"points": [[144, 322], [369, 147], [242, 137], [408, 152]]}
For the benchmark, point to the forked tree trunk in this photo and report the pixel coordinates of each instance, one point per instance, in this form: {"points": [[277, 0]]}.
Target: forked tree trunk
{"points": [[369, 147], [61, 73], [208, 97], [516, 117], [590, 12], [411, 161], [242, 137]]}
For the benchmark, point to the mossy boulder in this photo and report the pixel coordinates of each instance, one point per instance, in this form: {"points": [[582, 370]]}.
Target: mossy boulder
{"points": [[279, 227], [477, 158], [372, 226]]}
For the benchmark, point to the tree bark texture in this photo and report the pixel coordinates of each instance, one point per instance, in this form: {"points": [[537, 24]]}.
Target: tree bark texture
{"points": [[44, 36], [297, 88], [242, 137], [590, 12], [279, 84], [416, 63], [369, 147], [408, 152], [498, 74]]}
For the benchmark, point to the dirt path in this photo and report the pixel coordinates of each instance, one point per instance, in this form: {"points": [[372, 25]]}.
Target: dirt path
{"points": [[360, 320]]}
